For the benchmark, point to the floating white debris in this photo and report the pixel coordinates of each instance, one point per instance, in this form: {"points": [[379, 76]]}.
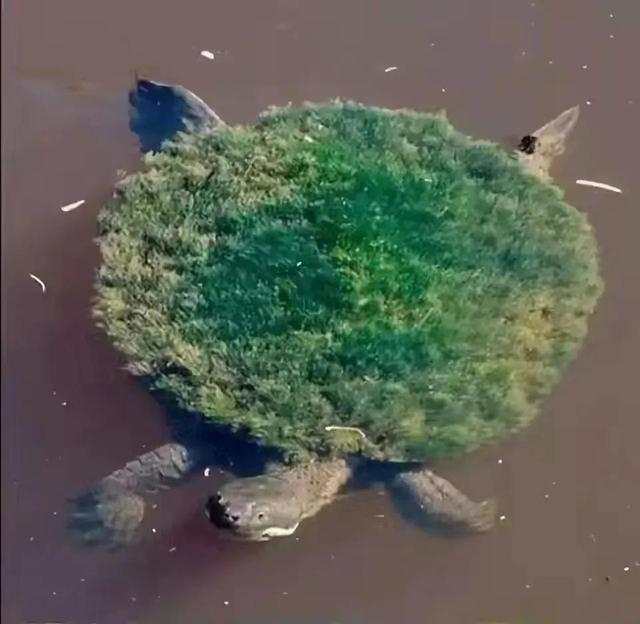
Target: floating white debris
{"points": [[589, 102], [585, 67], [154, 530], [37, 279], [612, 36], [73, 206], [500, 461], [546, 496], [443, 90], [550, 62], [208, 55], [173, 549], [390, 69], [207, 471], [503, 517], [527, 586], [339, 428], [226, 603], [64, 404], [31, 539], [379, 515], [600, 185], [298, 264]]}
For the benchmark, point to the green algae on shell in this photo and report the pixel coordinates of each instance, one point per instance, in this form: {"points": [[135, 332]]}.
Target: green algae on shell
{"points": [[336, 265]]}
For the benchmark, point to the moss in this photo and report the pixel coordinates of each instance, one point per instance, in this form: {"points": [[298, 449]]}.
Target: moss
{"points": [[344, 265]]}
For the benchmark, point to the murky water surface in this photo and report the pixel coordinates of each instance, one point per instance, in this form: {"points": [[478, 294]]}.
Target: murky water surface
{"points": [[568, 486]]}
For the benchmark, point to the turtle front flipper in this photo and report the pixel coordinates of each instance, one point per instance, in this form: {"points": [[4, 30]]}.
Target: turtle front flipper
{"points": [[159, 111], [537, 151], [273, 505], [434, 503], [110, 512], [107, 515]]}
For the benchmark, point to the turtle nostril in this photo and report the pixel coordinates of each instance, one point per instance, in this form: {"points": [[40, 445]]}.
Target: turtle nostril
{"points": [[235, 518]]}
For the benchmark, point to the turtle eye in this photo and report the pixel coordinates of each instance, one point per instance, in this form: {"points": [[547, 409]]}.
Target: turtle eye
{"points": [[260, 516], [219, 497]]}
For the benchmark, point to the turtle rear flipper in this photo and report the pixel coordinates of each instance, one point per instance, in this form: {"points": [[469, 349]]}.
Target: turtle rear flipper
{"points": [[537, 151], [159, 111]]}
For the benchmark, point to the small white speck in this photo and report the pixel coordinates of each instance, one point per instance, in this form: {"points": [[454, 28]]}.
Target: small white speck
{"points": [[433, 45], [73, 206], [82, 580], [588, 102], [554, 482], [207, 471], [31, 539], [226, 603], [585, 67], [133, 598], [154, 530], [527, 586], [298, 264], [379, 515], [592, 537], [626, 568], [503, 517], [590, 580], [208, 55], [173, 549], [35, 278], [546, 496], [610, 15], [443, 90], [390, 69], [333, 556], [297, 539], [55, 513], [54, 393], [54, 593], [64, 404], [612, 36], [154, 506], [524, 53], [285, 593], [500, 461], [550, 62]]}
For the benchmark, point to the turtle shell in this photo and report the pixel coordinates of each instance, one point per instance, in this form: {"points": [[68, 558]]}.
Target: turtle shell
{"points": [[339, 278]]}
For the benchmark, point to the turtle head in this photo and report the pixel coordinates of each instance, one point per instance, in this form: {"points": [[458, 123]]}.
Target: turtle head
{"points": [[256, 508]]}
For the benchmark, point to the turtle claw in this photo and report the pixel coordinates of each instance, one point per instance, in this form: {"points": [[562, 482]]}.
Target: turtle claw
{"points": [[433, 503], [106, 516]]}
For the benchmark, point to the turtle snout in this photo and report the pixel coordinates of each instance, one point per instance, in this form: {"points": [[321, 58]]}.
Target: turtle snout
{"points": [[221, 511]]}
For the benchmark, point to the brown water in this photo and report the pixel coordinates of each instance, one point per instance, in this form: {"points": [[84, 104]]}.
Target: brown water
{"points": [[70, 414]]}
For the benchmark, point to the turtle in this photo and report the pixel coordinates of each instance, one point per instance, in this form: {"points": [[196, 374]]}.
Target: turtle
{"points": [[284, 488]]}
